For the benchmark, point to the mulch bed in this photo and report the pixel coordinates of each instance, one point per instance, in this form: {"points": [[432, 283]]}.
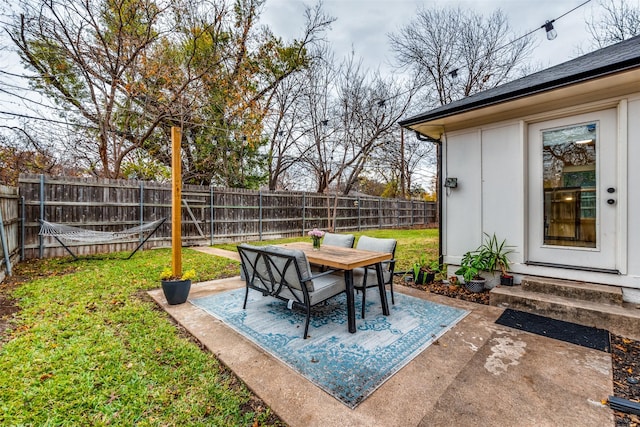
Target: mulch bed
{"points": [[625, 353]]}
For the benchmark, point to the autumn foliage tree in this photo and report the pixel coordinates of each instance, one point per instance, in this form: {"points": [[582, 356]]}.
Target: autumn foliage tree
{"points": [[128, 70]]}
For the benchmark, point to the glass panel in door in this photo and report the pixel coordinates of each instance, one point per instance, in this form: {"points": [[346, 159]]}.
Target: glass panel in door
{"points": [[570, 188]]}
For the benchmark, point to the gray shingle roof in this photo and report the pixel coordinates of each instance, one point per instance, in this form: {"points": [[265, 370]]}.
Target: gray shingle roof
{"points": [[609, 60]]}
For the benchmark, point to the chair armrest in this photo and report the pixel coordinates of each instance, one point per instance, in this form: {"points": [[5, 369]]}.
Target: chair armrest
{"points": [[324, 273]]}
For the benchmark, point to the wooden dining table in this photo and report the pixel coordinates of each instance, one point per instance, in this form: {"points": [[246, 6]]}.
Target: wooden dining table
{"points": [[347, 259]]}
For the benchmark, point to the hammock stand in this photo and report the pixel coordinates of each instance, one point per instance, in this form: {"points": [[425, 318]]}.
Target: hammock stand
{"points": [[70, 233]]}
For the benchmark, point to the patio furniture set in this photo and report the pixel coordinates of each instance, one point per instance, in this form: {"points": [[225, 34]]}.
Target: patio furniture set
{"points": [[304, 277]]}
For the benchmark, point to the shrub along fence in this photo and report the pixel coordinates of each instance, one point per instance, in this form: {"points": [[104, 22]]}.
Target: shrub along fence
{"points": [[209, 215]]}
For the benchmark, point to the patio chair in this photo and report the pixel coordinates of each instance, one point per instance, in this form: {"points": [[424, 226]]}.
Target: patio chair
{"points": [[285, 274], [342, 240], [367, 277]]}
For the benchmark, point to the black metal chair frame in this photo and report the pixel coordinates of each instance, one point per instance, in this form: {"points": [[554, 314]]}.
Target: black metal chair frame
{"points": [[364, 286], [275, 281]]}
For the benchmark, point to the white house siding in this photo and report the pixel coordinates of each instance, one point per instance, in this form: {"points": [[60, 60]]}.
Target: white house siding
{"points": [[463, 205], [490, 165], [503, 185], [633, 203]]}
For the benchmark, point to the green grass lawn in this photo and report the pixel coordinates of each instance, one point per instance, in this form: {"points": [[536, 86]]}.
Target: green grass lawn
{"points": [[412, 244], [89, 347]]}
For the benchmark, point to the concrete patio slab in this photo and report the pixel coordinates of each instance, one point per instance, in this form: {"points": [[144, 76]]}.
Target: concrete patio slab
{"points": [[478, 373]]}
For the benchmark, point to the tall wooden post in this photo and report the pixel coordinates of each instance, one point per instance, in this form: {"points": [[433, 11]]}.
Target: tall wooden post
{"points": [[402, 165], [176, 203]]}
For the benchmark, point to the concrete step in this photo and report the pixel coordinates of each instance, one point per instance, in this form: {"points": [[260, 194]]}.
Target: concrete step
{"points": [[573, 289], [618, 319]]}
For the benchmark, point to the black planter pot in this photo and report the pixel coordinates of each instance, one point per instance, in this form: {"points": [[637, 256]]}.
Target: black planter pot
{"points": [[506, 280], [176, 291], [425, 277]]}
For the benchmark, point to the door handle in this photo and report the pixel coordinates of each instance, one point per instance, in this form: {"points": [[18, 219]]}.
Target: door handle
{"points": [[611, 190], [611, 201]]}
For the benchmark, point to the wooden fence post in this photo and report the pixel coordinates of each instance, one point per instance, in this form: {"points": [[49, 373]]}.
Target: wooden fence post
{"points": [[304, 212], [211, 212], [41, 238], [176, 203], [260, 215]]}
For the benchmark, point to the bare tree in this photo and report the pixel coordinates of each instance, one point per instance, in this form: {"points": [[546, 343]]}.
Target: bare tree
{"points": [[291, 123], [101, 61], [455, 53], [351, 113], [613, 22], [398, 163]]}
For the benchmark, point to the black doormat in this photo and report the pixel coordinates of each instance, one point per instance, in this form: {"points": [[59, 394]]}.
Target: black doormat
{"points": [[585, 336]]}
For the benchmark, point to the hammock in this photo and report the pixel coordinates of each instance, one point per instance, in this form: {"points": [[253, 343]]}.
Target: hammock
{"points": [[70, 233]]}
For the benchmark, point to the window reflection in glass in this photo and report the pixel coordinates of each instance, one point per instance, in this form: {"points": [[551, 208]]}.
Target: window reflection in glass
{"points": [[569, 179]]}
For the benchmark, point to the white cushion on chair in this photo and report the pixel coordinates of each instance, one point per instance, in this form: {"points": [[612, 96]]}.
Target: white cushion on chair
{"points": [[375, 244], [342, 240], [291, 275]]}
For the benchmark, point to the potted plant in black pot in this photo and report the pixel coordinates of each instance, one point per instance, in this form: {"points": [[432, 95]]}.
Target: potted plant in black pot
{"points": [[425, 272], [176, 288]]}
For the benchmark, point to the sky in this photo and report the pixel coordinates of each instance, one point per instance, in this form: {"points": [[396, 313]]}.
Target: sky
{"points": [[363, 25]]}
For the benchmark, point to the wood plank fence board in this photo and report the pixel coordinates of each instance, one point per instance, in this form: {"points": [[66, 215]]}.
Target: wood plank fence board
{"points": [[209, 215]]}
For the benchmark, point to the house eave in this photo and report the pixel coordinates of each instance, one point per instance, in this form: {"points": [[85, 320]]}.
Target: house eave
{"points": [[534, 100]]}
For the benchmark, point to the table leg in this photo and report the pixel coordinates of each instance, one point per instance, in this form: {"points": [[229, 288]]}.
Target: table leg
{"points": [[383, 291], [351, 308]]}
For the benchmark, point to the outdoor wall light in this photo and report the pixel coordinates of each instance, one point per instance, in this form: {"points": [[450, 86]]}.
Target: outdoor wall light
{"points": [[451, 183], [551, 32]]}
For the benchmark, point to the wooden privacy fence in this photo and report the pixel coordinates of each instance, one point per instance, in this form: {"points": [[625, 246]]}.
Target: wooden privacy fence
{"points": [[209, 215], [9, 228]]}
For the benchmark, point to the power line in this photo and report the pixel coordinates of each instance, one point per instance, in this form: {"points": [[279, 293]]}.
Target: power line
{"points": [[543, 26], [24, 116]]}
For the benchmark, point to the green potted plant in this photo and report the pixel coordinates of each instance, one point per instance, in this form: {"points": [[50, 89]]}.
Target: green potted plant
{"points": [[497, 258], [472, 263], [176, 289], [424, 271], [490, 256]]}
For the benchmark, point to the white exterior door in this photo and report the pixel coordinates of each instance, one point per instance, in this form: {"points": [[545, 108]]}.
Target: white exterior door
{"points": [[573, 191]]}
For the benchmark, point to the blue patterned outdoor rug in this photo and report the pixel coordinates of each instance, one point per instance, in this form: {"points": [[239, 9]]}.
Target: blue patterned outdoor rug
{"points": [[347, 366]]}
